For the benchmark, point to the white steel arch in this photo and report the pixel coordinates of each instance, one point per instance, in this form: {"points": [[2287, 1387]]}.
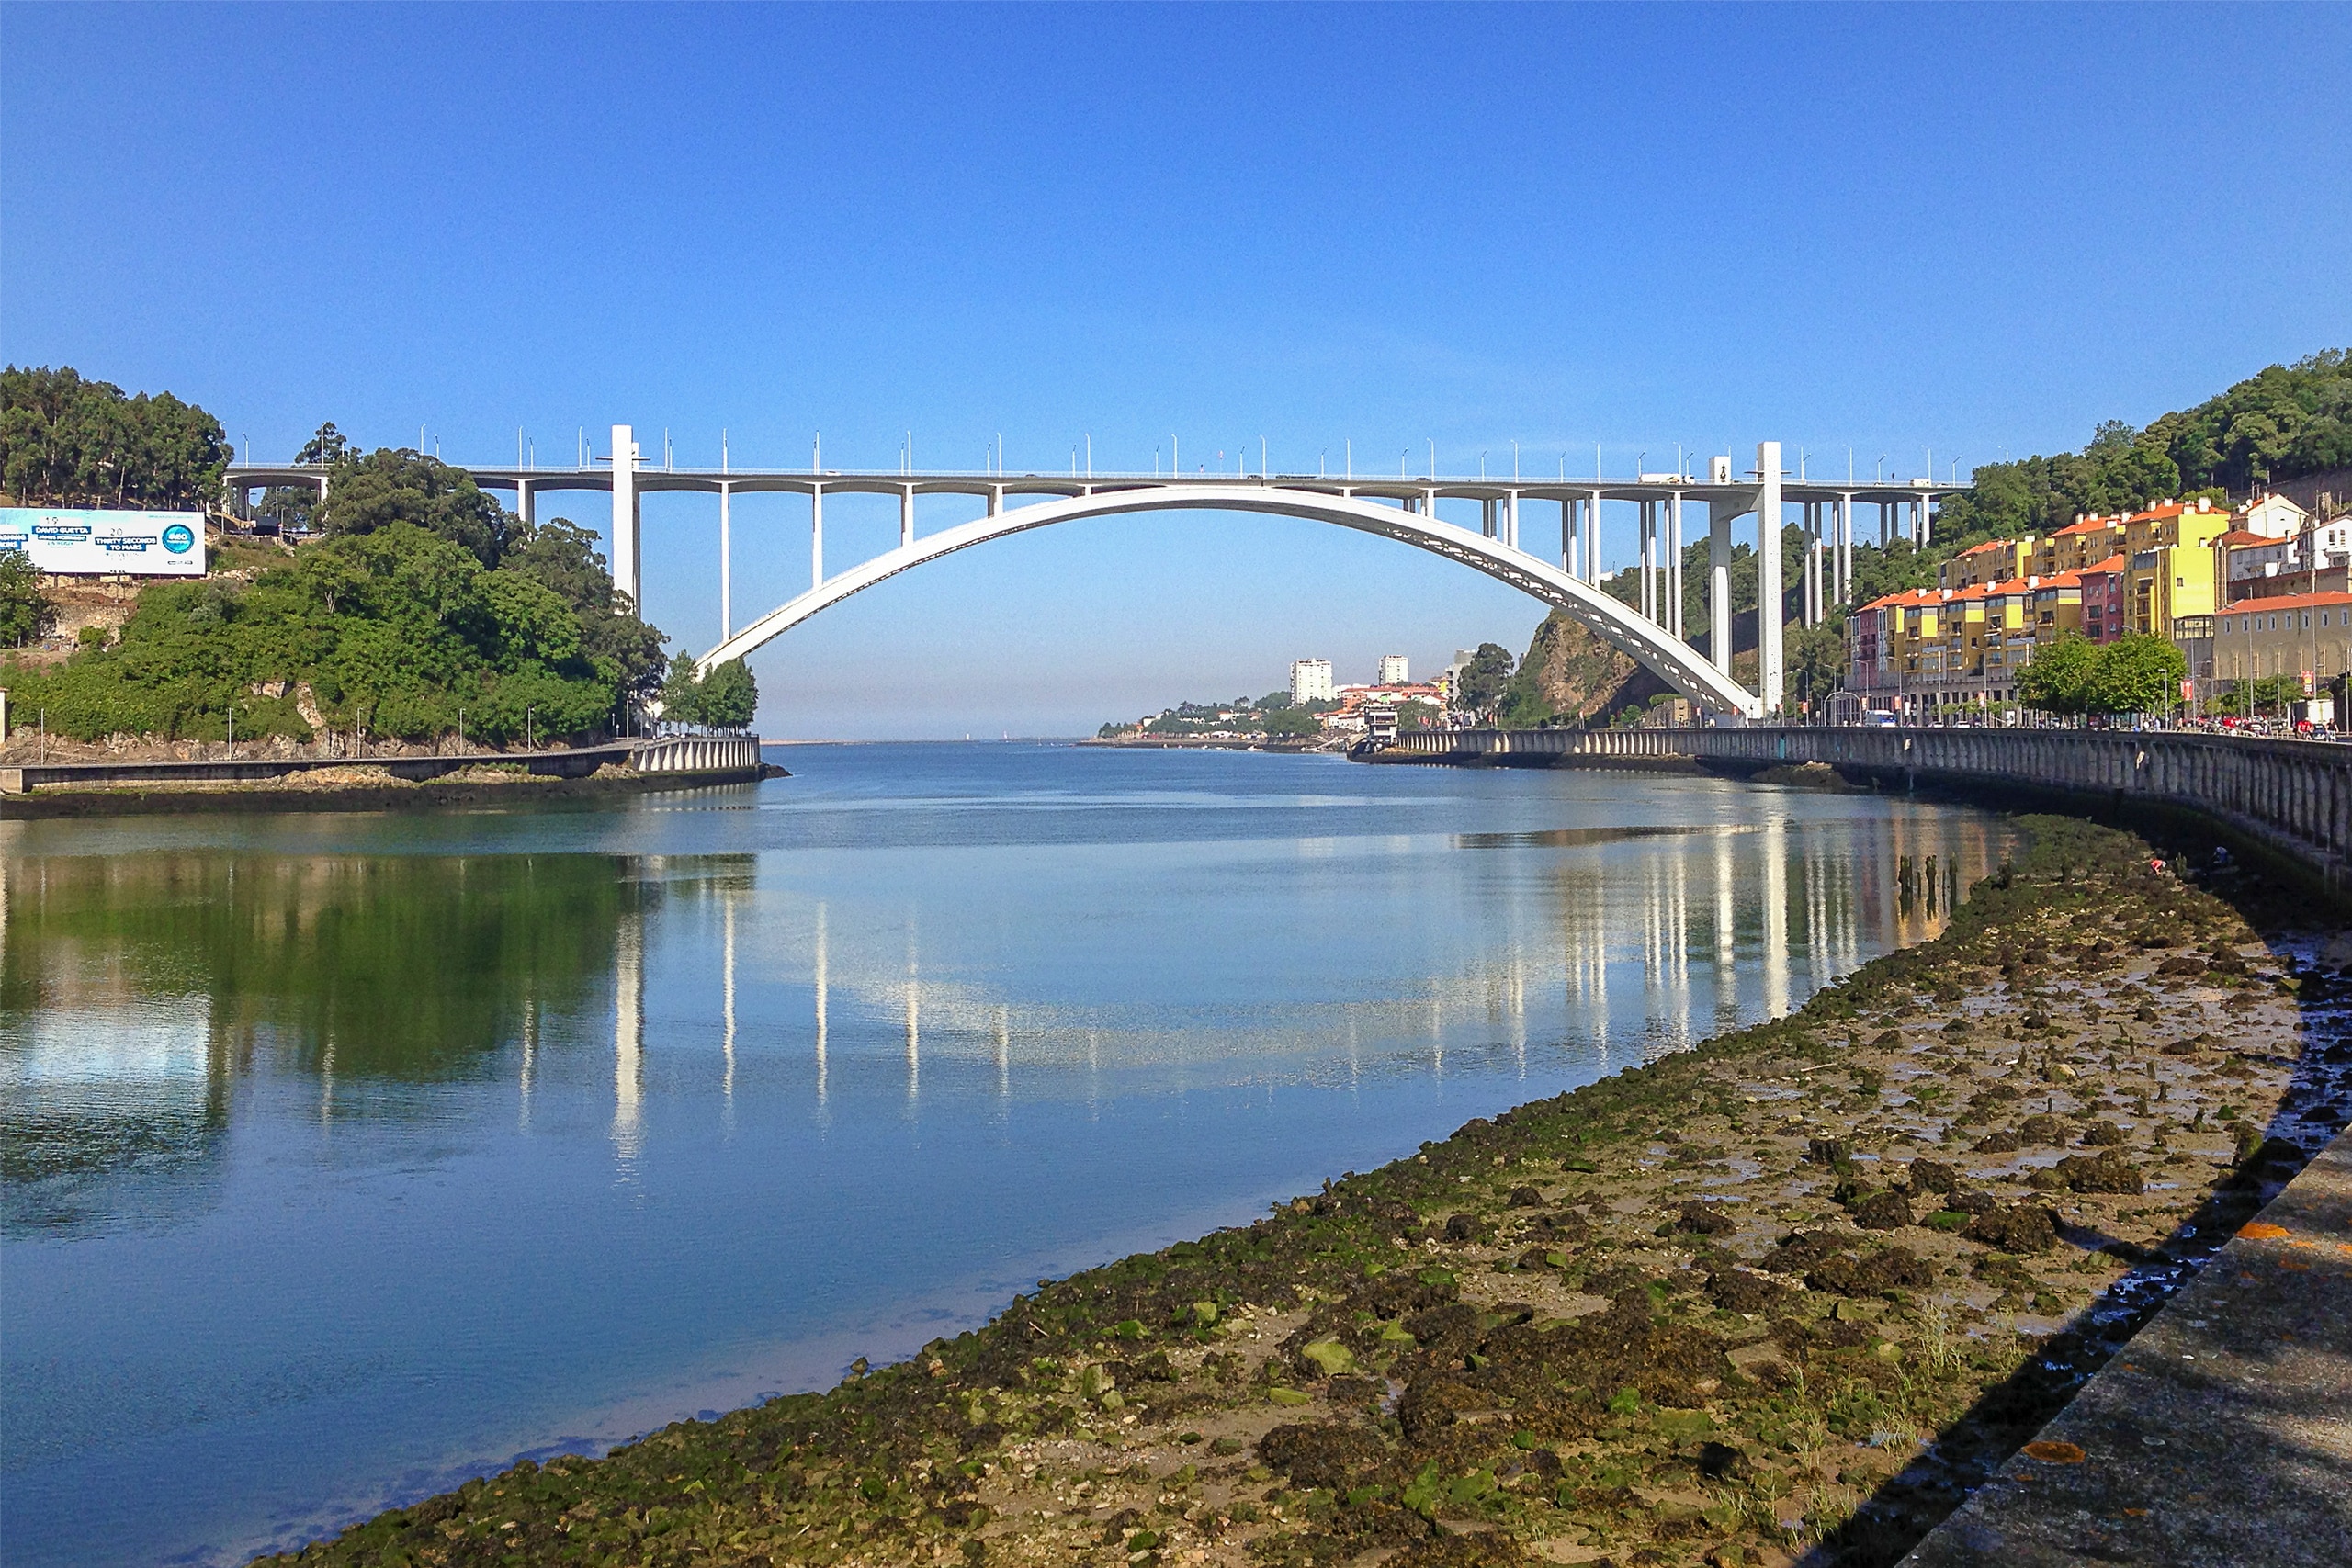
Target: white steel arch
{"points": [[1668, 657]]}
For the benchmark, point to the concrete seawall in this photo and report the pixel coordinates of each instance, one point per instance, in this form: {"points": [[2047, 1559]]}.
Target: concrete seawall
{"points": [[2293, 796], [734, 754]]}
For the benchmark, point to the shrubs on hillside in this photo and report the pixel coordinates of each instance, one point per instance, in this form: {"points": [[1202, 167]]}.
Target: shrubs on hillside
{"points": [[394, 630]]}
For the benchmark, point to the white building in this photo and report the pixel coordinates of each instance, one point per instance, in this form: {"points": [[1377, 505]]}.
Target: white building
{"points": [[1394, 671], [1310, 680], [2272, 516]]}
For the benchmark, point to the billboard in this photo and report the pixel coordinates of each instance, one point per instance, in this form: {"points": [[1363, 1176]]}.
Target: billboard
{"points": [[133, 544]]}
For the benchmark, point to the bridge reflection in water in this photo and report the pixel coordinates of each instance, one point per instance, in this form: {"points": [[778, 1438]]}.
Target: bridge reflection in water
{"points": [[1792, 905], [140, 989]]}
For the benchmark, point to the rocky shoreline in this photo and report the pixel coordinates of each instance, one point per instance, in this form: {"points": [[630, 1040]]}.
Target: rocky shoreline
{"points": [[1794, 1293]]}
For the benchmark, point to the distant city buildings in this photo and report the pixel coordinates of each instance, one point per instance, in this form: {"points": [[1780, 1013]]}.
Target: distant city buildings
{"points": [[1310, 680], [1393, 670]]}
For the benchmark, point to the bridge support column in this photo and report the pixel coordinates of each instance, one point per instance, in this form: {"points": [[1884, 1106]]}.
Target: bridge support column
{"points": [[1719, 516], [623, 539], [1674, 563], [815, 536], [1568, 536], [1845, 548], [1592, 540], [726, 570], [906, 515], [523, 501], [1645, 536], [1768, 671], [995, 500]]}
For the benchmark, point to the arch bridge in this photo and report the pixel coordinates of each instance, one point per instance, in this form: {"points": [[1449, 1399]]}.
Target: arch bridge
{"points": [[1650, 630]]}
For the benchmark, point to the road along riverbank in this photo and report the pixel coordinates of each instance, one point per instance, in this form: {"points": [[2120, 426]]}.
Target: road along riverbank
{"points": [[1801, 1289]]}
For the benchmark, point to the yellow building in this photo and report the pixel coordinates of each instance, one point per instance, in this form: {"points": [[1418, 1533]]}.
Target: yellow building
{"points": [[2084, 542], [1994, 560], [2175, 572]]}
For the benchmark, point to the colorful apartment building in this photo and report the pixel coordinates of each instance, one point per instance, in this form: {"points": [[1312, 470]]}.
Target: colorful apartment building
{"points": [[1994, 560], [1934, 647], [2081, 542], [2230, 588]]}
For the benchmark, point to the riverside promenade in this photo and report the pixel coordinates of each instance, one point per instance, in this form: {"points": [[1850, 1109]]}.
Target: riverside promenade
{"points": [[2222, 1434], [2293, 798]]}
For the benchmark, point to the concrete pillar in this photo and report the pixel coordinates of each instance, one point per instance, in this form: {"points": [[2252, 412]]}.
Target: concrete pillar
{"points": [[995, 500], [726, 570], [906, 515], [1568, 536], [624, 535], [1644, 531], [1845, 549], [1487, 517], [1719, 516], [1593, 539], [815, 536], [522, 501], [1769, 673], [1511, 520], [1674, 563], [1924, 528]]}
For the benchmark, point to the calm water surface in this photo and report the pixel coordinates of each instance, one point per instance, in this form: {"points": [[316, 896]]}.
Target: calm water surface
{"points": [[342, 1156]]}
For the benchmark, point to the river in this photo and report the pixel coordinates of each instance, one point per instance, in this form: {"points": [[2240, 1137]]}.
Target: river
{"points": [[343, 1156]]}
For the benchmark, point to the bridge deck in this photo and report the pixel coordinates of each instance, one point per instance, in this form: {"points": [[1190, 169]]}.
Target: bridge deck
{"points": [[1446, 487]]}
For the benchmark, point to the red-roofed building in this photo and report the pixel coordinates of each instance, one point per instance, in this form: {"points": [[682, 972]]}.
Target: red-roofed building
{"points": [[2304, 635]]}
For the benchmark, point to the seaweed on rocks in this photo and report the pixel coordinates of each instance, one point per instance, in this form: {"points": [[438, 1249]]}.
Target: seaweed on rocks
{"points": [[1534, 1339]]}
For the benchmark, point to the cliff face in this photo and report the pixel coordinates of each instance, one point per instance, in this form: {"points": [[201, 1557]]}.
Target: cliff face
{"points": [[1572, 676], [1578, 677]]}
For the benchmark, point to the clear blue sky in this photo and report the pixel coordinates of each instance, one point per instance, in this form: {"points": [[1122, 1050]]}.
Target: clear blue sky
{"points": [[1976, 229]]}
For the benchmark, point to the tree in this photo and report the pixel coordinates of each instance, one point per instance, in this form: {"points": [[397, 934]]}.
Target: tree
{"points": [[1292, 724], [730, 698], [2136, 674], [2058, 678], [388, 486], [70, 442], [396, 630], [1483, 680], [681, 693], [727, 698], [327, 446], [562, 556], [1816, 659], [27, 614]]}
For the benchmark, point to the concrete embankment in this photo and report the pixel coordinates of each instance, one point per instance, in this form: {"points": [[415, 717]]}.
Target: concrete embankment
{"points": [[2221, 1435], [307, 783]]}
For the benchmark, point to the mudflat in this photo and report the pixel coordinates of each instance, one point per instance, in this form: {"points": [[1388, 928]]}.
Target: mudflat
{"points": [[1803, 1288]]}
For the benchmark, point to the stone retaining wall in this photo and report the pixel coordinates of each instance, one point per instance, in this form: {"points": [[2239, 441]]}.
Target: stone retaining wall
{"points": [[2292, 796]]}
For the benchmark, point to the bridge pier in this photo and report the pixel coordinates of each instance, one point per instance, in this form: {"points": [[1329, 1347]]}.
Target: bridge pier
{"points": [[816, 537], [1719, 516], [1770, 675], [624, 537], [1674, 563]]}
